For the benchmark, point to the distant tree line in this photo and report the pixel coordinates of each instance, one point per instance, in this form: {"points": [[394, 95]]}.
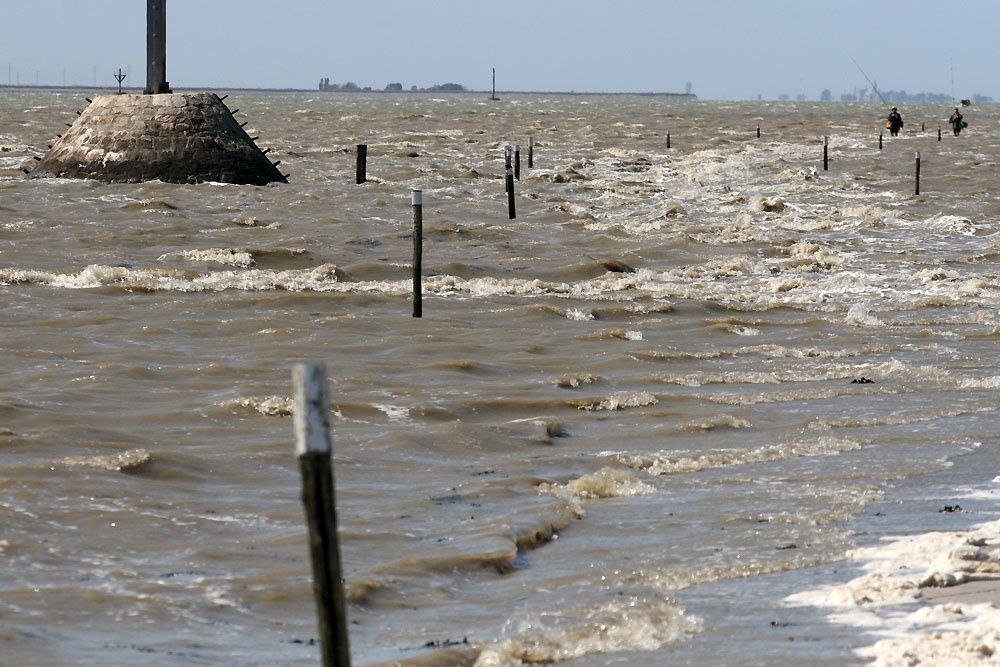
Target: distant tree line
{"points": [[863, 95], [324, 84]]}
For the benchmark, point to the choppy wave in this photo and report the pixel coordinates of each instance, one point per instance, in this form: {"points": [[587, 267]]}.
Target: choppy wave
{"points": [[670, 463], [131, 460], [627, 624]]}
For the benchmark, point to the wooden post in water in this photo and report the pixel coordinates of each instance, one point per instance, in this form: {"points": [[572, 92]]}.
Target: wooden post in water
{"points": [[758, 131], [312, 445], [668, 138], [507, 163], [517, 161], [156, 47], [510, 193], [917, 189], [826, 161], [531, 152], [922, 127], [417, 200], [361, 171], [880, 141], [939, 133]]}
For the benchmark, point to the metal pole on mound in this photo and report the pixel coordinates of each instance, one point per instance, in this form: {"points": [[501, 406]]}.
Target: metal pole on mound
{"points": [[156, 47]]}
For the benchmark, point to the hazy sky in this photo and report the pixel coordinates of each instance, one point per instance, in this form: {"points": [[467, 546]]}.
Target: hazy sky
{"points": [[727, 49]]}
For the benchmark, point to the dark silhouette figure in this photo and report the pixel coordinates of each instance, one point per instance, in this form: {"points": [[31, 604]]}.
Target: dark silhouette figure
{"points": [[957, 124], [894, 122]]}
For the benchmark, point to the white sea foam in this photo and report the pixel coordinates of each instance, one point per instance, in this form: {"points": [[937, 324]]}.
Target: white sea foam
{"points": [[896, 574]]}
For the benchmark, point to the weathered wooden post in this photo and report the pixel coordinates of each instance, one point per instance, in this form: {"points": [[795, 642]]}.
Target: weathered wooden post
{"points": [[668, 138], [531, 152], [922, 126], [939, 133], [517, 162], [758, 131], [312, 445], [826, 161], [917, 189], [506, 163], [417, 200], [510, 193], [156, 47], [361, 170], [880, 141]]}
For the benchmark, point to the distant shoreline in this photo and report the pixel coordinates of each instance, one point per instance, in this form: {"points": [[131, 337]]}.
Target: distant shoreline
{"points": [[136, 91]]}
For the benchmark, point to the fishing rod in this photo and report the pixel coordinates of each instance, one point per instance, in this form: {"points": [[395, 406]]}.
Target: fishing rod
{"points": [[870, 82]]}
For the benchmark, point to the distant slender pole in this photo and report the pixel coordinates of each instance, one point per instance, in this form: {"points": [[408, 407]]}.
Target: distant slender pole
{"points": [[517, 162], [312, 446], [362, 166], [939, 133], [510, 194], [156, 47], [668, 138], [758, 131], [417, 199], [826, 162], [531, 152], [917, 189], [922, 127], [120, 76], [880, 141]]}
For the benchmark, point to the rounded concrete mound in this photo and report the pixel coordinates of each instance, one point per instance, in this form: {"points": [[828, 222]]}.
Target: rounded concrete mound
{"points": [[177, 138]]}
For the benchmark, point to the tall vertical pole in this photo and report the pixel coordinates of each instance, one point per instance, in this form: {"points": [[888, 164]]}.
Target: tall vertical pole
{"points": [[826, 160], [156, 47], [417, 200], [916, 189], [312, 445]]}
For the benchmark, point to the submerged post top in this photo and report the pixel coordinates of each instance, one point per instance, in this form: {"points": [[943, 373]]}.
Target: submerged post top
{"points": [[416, 197], [312, 409]]}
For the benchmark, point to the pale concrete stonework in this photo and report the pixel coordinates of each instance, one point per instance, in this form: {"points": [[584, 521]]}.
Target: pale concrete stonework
{"points": [[178, 138]]}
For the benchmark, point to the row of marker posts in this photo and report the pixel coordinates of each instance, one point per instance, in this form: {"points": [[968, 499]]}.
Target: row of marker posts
{"points": [[512, 172]]}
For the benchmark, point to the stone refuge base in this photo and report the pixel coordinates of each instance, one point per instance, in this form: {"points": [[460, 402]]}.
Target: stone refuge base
{"points": [[178, 138]]}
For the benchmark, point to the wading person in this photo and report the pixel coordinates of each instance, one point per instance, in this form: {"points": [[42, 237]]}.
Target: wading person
{"points": [[957, 124], [894, 122]]}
